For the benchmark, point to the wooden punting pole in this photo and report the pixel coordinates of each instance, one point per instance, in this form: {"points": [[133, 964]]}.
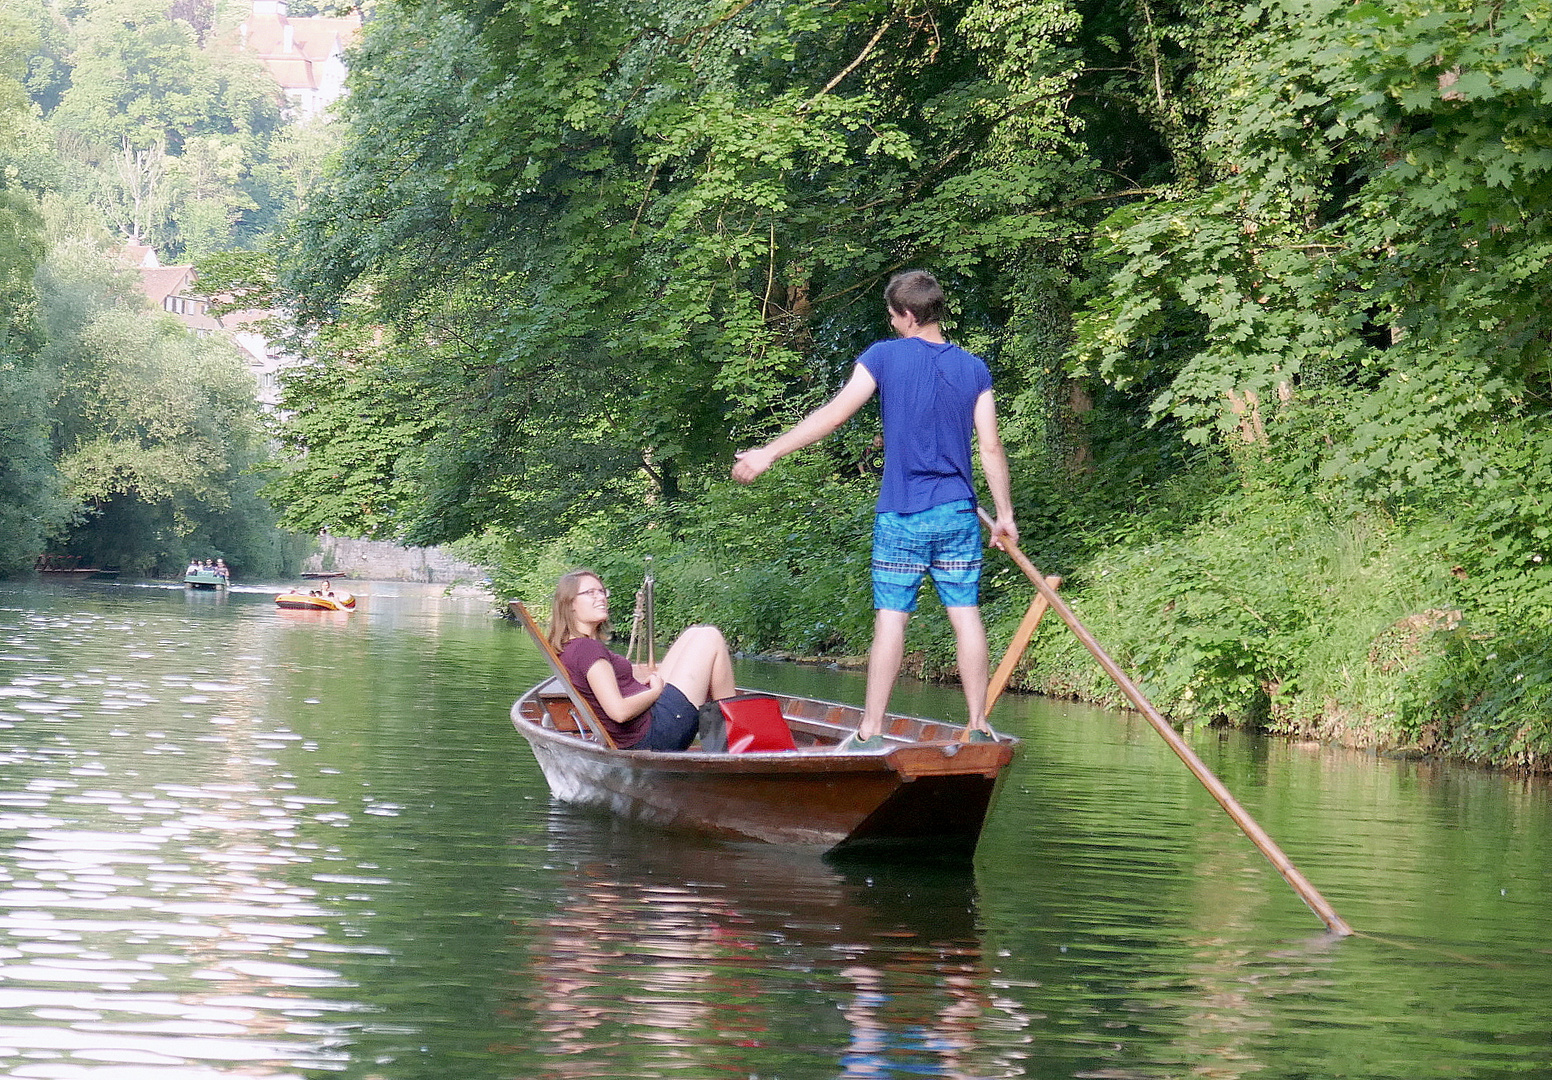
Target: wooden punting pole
{"points": [[1226, 799], [643, 637]]}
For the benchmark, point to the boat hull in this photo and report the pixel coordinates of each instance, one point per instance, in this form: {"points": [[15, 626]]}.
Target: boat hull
{"points": [[928, 791], [205, 579]]}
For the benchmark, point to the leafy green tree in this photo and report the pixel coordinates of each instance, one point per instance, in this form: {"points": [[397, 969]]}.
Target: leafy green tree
{"points": [[1373, 244], [139, 78], [47, 36], [634, 236], [1351, 304], [172, 129], [155, 430], [30, 504], [353, 446], [208, 176]]}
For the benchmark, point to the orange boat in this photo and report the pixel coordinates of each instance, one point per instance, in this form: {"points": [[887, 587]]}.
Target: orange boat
{"points": [[316, 600]]}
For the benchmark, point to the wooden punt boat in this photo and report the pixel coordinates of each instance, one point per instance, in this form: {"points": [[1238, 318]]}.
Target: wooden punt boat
{"points": [[63, 566], [296, 600], [925, 789]]}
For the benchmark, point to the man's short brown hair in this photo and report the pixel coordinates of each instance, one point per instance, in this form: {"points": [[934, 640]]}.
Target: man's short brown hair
{"points": [[917, 293]]}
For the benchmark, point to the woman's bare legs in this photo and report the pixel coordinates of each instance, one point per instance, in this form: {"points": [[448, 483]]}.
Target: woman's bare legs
{"points": [[699, 664]]}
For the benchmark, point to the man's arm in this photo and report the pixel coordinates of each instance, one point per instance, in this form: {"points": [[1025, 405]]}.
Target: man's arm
{"points": [[813, 427], [994, 463]]}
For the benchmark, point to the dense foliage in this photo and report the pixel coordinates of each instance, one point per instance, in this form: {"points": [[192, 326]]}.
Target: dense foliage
{"points": [[611, 242], [124, 439], [1353, 307], [1260, 284]]}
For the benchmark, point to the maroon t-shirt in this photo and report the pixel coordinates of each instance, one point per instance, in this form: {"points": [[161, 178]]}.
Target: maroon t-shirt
{"points": [[581, 653]]}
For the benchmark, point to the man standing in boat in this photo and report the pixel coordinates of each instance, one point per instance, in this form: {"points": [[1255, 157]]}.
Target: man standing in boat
{"points": [[933, 396]]}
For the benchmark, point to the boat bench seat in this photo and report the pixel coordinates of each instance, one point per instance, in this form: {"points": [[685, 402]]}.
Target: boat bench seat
{"points": [[560, 714]]}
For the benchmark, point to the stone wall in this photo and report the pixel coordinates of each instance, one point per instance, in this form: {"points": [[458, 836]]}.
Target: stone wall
{"points": [[379, 560]]}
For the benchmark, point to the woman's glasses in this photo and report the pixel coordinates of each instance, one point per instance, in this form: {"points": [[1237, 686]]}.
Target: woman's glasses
{"points": [[594, 592]]}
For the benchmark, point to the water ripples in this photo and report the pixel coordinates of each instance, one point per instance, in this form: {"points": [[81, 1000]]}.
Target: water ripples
{"points": [[239, 844], [157, 913]]}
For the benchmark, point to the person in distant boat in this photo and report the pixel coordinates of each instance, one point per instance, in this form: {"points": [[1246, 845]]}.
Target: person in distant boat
{"points": [[642, 709], [222, 569], [933, 396]]}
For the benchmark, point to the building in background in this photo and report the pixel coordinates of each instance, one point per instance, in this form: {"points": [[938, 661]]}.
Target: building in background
{"points": [[306, 54], [172, 289]]}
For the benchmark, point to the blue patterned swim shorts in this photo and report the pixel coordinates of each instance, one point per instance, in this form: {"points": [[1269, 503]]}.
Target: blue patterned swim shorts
{"points": [[944, 540]]}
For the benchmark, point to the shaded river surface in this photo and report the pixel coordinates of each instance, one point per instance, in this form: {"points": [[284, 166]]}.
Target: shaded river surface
{"points": [[237, 841]]}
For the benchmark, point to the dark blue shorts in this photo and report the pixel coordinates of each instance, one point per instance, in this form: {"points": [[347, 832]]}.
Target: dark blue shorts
{"points": [[675, 722]]}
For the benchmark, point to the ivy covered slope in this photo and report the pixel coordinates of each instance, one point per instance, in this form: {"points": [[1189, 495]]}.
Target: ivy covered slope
{"points": [[1262, 288], [1355, 311]]}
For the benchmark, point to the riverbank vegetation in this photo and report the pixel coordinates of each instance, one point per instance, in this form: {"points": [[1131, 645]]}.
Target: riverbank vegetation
{"points": [[1261, 285]]}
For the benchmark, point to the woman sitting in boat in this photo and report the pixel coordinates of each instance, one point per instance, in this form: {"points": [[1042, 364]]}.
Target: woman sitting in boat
{"points": [[642, 709]]}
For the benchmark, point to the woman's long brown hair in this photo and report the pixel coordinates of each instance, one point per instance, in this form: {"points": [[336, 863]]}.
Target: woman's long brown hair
{"points": [[562, 624]]}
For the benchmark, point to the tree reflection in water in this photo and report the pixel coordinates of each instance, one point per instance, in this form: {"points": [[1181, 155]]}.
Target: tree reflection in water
{"points": [[672, 955]]}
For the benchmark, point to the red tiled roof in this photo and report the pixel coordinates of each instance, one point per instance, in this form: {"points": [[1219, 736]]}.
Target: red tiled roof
{"points": [[313, 40], [140, 255], [291, 72], [163, 281]]}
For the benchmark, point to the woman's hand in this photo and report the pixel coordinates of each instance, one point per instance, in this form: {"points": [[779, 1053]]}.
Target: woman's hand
{"points": [[619, 708]]}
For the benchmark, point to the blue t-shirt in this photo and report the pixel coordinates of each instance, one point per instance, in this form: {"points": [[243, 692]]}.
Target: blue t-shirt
{"points": [[927, 394]]}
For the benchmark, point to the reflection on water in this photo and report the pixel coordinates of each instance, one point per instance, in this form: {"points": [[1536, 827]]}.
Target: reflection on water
{"points": [[243, 842], [692, 959], [152, 917]]}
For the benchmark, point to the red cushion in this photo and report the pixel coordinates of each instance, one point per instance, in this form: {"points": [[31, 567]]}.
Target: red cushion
{"points": [[754, 722]]}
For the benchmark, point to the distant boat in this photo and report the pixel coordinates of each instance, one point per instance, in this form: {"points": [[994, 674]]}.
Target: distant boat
{"points": [[68, 566], [315, 600], [318, 574], [204, 577]]}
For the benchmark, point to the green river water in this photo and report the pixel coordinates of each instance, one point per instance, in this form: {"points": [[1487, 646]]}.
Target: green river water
{"points": [[237, 841]]}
